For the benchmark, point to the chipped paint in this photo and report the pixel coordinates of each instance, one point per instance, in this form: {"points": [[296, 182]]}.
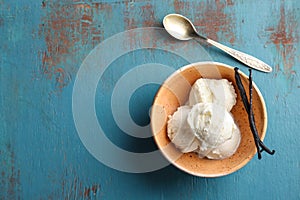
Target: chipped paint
{"points": [[87, 192], [213, 19], [129, 22], [10, 176], [71, 186], [91, 191], [148, 15], [95, 189], [146, 18], [62, 77], [66, 28], [44, 4], [229, 2], [284, 37], [179, 6], [102, 7], [1, 21]]}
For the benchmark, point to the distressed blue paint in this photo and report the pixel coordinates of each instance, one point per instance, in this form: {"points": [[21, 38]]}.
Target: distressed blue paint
{"points": [[41, 155]]}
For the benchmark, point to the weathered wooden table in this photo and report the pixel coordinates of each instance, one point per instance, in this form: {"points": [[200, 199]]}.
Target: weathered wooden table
{"points": [[48, 149]]}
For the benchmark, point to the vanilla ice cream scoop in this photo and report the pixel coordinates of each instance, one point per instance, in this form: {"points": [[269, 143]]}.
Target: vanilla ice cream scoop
{"points": [[213, 91], [205, 125], [212, 125], [228, 148], [180, 132]]}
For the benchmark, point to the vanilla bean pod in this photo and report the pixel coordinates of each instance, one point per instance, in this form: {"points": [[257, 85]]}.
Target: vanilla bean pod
{"points": [[261, 144], [248, 107], [251, 117], [265, 148], [241, 89]]}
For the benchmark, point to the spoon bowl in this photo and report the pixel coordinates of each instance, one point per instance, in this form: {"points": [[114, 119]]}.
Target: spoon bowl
{"points": [[179, 27]]}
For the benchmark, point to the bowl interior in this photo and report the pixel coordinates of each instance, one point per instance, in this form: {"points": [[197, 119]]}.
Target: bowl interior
{"points": [[175, 91]]}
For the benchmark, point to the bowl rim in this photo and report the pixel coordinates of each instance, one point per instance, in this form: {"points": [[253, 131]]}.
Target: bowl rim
{"points": [[245, 161]]}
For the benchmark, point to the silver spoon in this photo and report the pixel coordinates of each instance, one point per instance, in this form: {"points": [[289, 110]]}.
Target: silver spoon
{"points": [[182, 28]]}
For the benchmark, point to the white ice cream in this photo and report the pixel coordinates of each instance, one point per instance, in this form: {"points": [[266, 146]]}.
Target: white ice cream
{"points": [[205, 125], [228, 148], [213, 91], [214, 127], [180, 132]]}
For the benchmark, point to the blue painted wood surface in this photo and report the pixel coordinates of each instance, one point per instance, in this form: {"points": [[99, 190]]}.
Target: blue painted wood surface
{"points": [[42, 45]]}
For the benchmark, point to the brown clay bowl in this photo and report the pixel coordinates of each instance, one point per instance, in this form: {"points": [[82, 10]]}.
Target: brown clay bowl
{"points": [[174, 93]]}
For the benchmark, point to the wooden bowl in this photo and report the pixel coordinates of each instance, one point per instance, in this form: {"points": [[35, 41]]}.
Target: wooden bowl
{"points": [[175, 91]]}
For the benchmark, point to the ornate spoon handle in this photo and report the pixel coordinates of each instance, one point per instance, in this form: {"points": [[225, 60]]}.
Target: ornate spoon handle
{"points": [[242, 57]]}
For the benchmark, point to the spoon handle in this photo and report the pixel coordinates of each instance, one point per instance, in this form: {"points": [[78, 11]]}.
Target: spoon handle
{"points": [[242, 57]]}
